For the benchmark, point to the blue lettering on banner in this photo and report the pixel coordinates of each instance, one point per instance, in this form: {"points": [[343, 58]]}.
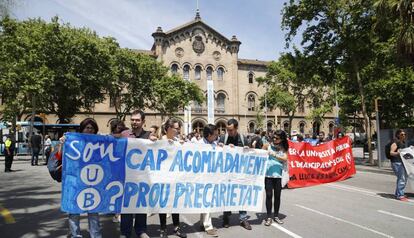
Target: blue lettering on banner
{"points": [[129, 156], [206, 158], [123, 175], [178, 161], [88, 200], [205, 202]]}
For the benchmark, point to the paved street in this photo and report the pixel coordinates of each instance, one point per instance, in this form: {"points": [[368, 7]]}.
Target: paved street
{"points": [[362, 206]]}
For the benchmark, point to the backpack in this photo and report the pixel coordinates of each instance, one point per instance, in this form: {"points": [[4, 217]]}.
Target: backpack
{"points": [[54, 164], [388, 150]]}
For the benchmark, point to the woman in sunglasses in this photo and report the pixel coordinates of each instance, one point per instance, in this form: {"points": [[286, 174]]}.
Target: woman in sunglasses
{"points": [[277, 148]]}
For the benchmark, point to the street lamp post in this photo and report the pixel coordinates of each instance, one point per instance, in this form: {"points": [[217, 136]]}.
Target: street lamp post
{"points": [[265, 109], [377, 125]]}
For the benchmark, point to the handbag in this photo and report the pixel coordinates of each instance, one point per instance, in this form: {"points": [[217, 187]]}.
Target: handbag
{"points": [[285, 175]]}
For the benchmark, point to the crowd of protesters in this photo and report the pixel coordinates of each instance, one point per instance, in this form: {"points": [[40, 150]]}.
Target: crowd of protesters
{"points": [[273, 141]]}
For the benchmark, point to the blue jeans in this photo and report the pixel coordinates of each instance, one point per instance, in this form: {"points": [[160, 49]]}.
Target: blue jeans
{"points": [[140, 224], [399, 170], [242, 215], [35, 155], [94, 226]]}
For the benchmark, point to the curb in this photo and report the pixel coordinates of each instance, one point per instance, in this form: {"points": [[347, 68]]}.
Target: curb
{"points": [[373, 170]]}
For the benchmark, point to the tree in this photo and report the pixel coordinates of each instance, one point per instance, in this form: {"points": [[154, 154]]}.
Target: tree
{"points": [[5, 7], [402, 12], [81, 66], [288, 81], [338, 33], [23, 71], [172, 93], [51, 67]]}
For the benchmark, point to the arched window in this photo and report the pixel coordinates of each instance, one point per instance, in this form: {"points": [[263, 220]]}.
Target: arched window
{"points": [[269, 126], [250, 77], [209, 71], [251, 102], [286, 126], [221, 126], [301, 105], [221, 97], [198, 126], [316, 127], [251, 127], [302, 127], [197, 72], [174, 68], [220, 73], [186, 72], [331, 127], [197, 107]]}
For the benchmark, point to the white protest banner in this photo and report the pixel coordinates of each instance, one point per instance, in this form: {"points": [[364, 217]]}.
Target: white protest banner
{"points": [[107, 175], [407, 156]]}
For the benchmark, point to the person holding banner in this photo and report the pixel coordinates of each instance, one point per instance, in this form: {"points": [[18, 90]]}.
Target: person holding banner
{"points": [[87, 126], [398, 166], [172, 131], [117, 127], [210, 134], [273, 181], [233, 138], [137, 131]]}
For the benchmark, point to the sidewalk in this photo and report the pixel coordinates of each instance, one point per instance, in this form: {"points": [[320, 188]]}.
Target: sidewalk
{"points": [[361, 163]]}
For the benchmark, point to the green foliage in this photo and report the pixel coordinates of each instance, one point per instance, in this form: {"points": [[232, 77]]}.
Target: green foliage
{"points": [[291, 82], [133, 77], [5, 7], [172, 93], [23, 65], [80, 63], [55, 68]]}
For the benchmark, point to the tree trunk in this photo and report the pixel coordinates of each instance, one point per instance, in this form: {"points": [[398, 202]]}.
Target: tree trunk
{"points": [[364, 113]]}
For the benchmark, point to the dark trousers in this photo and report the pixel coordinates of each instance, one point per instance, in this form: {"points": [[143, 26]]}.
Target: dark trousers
{"points": [[35, 155], [273, 187], [163, 220], [140, 224], [48, 151], [8, 162]]}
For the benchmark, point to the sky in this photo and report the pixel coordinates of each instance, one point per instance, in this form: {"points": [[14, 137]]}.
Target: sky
{"points": [[256, 23]]}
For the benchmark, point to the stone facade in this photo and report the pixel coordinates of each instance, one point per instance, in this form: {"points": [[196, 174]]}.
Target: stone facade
{"points": [[199, 53]]}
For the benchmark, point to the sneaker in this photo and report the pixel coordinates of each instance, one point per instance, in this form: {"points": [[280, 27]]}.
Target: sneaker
{"points": [[403, 199], [163, 234], [212, 232], [278, 221], [144, 235], [115, 219], [268, 221], [245, 225], [179, 233]]}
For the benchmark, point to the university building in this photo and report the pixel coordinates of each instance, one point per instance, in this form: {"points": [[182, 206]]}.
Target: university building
{"points": [[199, 53]]}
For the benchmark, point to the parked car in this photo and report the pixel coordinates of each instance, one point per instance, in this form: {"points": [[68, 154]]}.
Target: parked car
{"points": [[357, 137]]}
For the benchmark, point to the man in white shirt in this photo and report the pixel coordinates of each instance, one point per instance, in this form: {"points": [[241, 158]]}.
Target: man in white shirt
{"points": [[210, 134]]}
